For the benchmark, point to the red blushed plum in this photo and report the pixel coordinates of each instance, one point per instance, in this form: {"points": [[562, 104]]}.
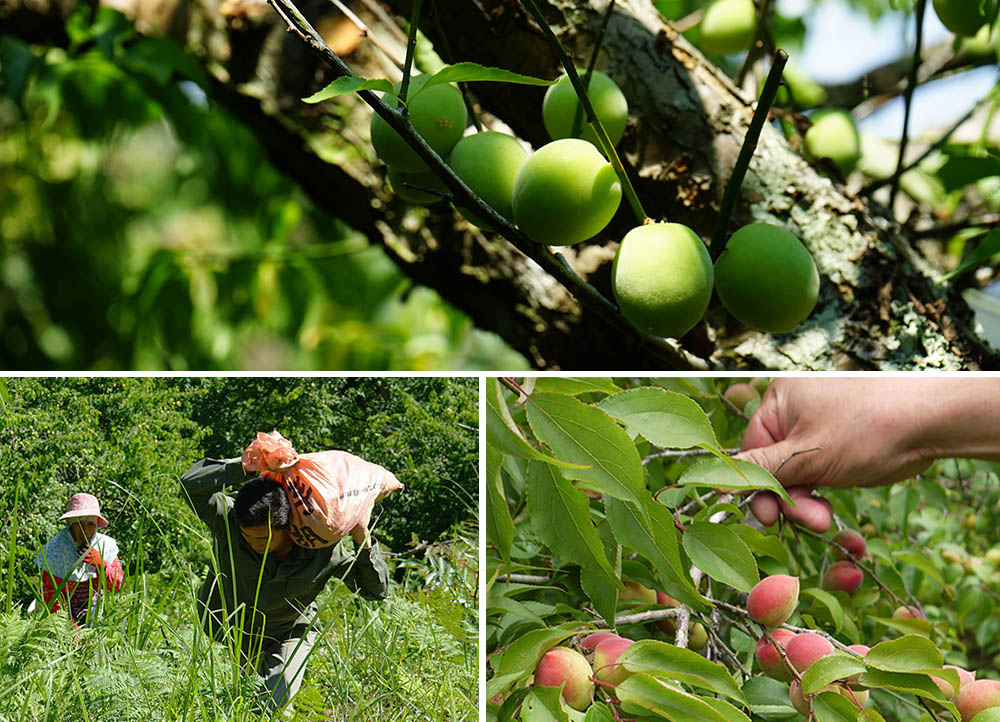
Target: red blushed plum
{"points": [[562, 665], [592, 640], [853, 542], [976, 696], [606, 667], [773, 599], [805, 648], [844, 577], [770, 660]]}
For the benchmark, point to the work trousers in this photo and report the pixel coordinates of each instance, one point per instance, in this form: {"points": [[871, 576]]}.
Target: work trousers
{"points": [[283, 665]]}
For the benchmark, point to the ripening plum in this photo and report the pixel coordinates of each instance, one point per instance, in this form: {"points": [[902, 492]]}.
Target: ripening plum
{"points": [[853, 542], [562, 665], [728, 26], [566, 193], [606, 667], [561, 103], [976, 696], [805, 648], [662, 278], [844, 577], [773, 599], [768, 657], [438, 114], [489, 163]]}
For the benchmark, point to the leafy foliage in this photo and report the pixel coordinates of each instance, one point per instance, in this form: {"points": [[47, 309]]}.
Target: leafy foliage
{"points": [[555, 569]]}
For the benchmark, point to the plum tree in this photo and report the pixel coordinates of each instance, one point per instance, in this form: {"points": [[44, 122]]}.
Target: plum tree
{"points": [[489, 164], [662, 278], [773, 599], [977, 696], [561, 102], [565, 193], [606, 667], [964, 17], [769, 659], [843, 576], [766, 278], [805, 648], [437, 113], [728, 26], [852, 541], [834, 135], [564, 666]]}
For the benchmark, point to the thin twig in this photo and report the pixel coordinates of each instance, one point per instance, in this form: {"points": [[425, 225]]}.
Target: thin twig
{"points": [[793, 455], [366, 31], [757, 47], [578, 115], [411, 46], [908, 102], [946, 229], [524, 579]]}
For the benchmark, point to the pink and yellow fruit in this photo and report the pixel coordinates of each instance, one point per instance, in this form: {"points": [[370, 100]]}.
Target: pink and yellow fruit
{"points": [[805, 648], [564, 666], [773, 599], [976, 696], [592, 640], [606, 667], [843, 577], [770, 660], [637, 592], [853, 542]]}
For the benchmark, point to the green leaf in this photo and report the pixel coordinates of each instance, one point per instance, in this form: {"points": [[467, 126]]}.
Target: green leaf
{"points": [[907, 654], [560, 516], [908, 683], [733, 474], [920, 561], [523, 654], [503, 432], [988, 715], [599, 712], [588, 437], [649, 530], [574, 386], [717, 551], [16, 63], [160, 59], [645, 693], [834, 707], [4, 395], [664, 418], [829, 669], [830, 602], [348, 84], [603, 595], [987, 248], [499, 525], [474, 72], [768, 699], [660, 659], [763, 544], [544, 704]]}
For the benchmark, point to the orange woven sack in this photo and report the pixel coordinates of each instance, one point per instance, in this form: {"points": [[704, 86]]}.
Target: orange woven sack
{"points": [[330, 492]]}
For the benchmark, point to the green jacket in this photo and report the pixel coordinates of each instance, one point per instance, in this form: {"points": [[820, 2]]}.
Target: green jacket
{"points": [[288, 589]]}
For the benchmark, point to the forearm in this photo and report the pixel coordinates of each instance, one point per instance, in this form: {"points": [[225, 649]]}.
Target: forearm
{"points": [[368, 574], [205, 478], [956, 417]]}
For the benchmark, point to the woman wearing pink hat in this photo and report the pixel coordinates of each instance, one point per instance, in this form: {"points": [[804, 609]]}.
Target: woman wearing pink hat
{"points": [[78, 563]]}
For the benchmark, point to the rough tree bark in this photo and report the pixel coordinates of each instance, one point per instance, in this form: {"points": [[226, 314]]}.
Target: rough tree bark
{"points": [[878, 308]]}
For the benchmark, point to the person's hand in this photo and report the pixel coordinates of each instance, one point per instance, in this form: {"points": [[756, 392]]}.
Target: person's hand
{"points": [[361, 536], [833, 432], [94, 557]]}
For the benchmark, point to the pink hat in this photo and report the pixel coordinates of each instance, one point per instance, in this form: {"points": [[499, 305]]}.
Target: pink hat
{"points": [[84, 505]]}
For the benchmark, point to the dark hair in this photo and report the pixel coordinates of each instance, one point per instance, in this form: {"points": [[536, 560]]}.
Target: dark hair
{"points": [[260, 499]]}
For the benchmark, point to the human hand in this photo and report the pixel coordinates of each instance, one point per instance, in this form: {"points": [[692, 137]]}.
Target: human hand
{"points": [[94, 557], [361, 536], [835, 432]]}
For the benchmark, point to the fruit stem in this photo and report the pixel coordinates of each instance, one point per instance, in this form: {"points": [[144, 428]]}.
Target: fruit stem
{"points": [[762, 42], [911, 85], [450, 57], [760, 113], [581, 93], [578, 115], [411, 45]]}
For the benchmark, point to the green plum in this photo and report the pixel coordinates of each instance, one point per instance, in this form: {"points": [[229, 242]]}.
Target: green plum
{"points": [[426, 179], [833, 135], [566, 193], [438, 114], [728, 26], [766, 278], [662, 278], [489, 163], [964, 17], [805, 91], [561, 102]]}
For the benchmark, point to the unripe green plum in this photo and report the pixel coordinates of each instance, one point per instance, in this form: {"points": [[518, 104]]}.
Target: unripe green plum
{"points": [[399, 179], [489, 163], [728, 26], [697, 637], [662, 278], [566, 193], [636, 591], [766, 278], [844, 577], [773, 599], [561, 102], [562, 665], [438, 114], [834, 135], [805, 91], [963, 17]]}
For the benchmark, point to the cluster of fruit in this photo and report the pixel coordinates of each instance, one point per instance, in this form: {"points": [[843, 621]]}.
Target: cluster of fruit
{"points": [[781, 654], [567, 192]]}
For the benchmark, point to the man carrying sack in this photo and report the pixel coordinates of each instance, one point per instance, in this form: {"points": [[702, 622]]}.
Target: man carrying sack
{"points": [[272, 623]]}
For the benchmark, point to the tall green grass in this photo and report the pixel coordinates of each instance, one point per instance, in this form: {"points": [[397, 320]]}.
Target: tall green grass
{"points": [[146, 657]]}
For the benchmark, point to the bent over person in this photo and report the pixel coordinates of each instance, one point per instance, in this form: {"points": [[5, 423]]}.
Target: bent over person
{"points": [[274, 619]]}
